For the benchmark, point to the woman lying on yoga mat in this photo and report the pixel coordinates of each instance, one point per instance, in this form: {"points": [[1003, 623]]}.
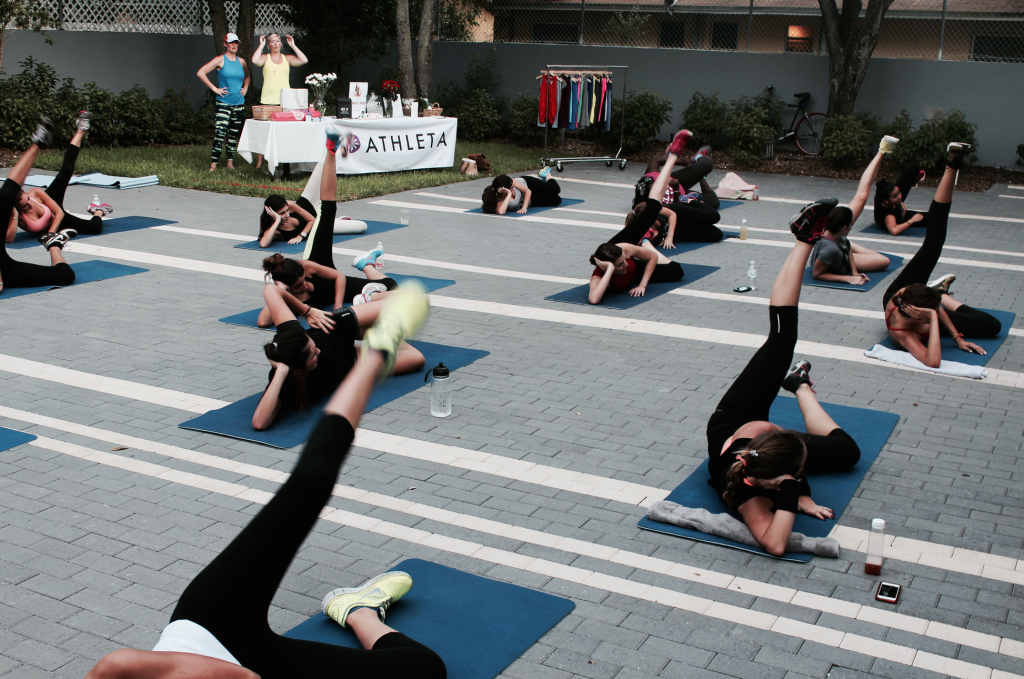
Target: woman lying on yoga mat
{"points": [[307, 365], [15, 274], [696, 213], [917, 310], [314, 281], [835, 258], [42, 211], [618, 261], [293, 220], [890, 212], [219, 627], [758, 467], [518, 195]]}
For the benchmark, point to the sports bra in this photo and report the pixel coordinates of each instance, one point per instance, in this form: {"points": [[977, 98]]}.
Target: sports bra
{"points": [[889, 326], [41, 224]]}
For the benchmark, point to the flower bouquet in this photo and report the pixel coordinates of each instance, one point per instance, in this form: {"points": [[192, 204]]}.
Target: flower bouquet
{"points": [[318, 84], [389, 93]]}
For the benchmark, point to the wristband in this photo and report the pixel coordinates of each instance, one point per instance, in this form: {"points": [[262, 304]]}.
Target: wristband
{"points": [[788, 497]]}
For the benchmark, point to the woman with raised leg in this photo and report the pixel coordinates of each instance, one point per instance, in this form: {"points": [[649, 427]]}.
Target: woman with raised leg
{"points": [[219, 627], [42, 211], [917, 310], [834, 257], [15, 274], [314, 281], [758, 467], [307, 365]]}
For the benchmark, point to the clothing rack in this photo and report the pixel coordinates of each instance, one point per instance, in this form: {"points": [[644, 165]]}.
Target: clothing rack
{"points": [[577, 69]]}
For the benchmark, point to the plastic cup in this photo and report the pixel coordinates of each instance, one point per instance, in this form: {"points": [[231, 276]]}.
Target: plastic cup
{"points": [[404, 217]]}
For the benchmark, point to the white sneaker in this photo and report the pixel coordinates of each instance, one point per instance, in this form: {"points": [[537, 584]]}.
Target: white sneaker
{"points": [[888, 144], [368, 290], [942, 283]]}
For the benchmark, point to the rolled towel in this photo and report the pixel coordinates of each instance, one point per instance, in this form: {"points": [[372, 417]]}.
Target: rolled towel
{"points": [[725, 526], [904, 358]]}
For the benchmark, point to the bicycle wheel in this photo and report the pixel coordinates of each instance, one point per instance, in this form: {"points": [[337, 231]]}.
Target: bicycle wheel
{"points": [[810, 132]]}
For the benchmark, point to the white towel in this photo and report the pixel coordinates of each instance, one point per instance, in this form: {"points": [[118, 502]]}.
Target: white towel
{"points": [[975, 372]]}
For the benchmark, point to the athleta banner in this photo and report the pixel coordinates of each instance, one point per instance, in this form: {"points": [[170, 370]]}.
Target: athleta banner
{"points": [[393, 144], [380, 145]]}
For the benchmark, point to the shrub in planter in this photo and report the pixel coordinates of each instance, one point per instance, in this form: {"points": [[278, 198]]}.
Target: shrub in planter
{"points": [[848, 138]]}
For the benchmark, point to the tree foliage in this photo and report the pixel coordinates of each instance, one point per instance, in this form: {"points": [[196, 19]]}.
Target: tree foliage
{"points": [[24, 15]]}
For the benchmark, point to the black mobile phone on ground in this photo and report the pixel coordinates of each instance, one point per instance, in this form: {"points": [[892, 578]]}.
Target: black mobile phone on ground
{"points": [[743, 288], [888, 592]]}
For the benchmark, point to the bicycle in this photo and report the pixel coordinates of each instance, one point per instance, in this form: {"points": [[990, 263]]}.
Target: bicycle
{"points": [[809, 132]]}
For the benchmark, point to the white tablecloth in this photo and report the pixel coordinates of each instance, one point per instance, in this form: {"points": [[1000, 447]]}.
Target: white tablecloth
{"points": [[384, 145]]}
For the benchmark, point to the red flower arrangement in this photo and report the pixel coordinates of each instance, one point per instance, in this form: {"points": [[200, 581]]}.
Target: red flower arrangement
{"points": [[389, 90]]}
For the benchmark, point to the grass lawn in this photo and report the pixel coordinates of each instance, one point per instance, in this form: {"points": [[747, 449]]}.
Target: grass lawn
{"points": [[186, 167]]}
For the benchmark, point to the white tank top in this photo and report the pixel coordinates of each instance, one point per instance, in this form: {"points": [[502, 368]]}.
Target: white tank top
{"points": [[185, 636]]}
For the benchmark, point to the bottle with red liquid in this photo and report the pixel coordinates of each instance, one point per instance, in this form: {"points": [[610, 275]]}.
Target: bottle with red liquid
{"points": [[876, 541]]}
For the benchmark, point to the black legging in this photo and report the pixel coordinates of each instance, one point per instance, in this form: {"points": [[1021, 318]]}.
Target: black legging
{"points": [[232, 595], [905, 183], [750, 399], [695, 223], [321, 253], [971, 322], [543, 193], [17, 274], [59, 186]]}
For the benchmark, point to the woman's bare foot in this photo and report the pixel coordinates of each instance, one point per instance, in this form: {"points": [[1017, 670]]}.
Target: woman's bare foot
{"points": [[213, 166], [231, 165]]}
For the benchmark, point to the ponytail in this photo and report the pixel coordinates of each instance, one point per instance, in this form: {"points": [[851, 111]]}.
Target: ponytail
{"points": [[768, 456]]}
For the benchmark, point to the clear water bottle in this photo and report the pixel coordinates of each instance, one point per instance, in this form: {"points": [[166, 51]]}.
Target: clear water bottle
{"points": [[96, 199], [440, 391], [876, 541], [752, 274], [380, 246]]}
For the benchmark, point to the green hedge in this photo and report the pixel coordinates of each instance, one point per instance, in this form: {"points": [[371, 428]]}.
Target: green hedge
{"points": [[124, 119]]}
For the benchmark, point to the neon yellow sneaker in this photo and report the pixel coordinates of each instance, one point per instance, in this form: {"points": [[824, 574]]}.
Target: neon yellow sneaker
{"points": [[404, 313], [378, 592]]}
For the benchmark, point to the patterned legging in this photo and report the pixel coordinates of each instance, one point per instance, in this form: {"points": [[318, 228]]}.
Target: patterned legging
{"points": [[227, 123]]}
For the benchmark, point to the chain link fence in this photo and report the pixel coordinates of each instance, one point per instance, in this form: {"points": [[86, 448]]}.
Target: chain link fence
{"points": [[156, 16], [961, 30]]}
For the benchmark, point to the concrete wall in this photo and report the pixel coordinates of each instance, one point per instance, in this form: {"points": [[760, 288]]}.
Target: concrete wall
{"points": [[990, 94], [117, 61]]}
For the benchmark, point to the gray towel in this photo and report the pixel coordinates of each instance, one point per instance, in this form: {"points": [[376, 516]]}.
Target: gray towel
{"points": [[724, 526]]}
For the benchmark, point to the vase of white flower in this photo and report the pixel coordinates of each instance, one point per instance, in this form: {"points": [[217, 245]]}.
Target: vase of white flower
{"points": [[318, 84]]}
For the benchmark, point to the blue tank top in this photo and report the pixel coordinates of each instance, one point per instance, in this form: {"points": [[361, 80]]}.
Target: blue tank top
{"points": [[231, 75]]}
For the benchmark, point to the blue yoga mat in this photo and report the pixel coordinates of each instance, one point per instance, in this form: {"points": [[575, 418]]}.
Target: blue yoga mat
{"points": [[623, 300], [9, 438], [877, 277], [917, 230], [869, 428], [24, 239], [726, 204], [97, 180], [85, 272], [292, 428], [477, 625], [682, 248], [372, 229], [566, 202], [249, 318], [950, 352]]}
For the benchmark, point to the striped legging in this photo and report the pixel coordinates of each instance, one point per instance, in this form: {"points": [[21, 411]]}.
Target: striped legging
{"points": [[227, 123]]}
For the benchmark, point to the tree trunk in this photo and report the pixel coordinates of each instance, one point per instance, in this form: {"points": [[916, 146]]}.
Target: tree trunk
{"points": [[219, 23], [425, 48], [406, 77], [245, 30], [851, 41]]}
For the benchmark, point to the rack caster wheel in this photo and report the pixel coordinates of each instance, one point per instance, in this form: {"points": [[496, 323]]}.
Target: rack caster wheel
{"points": [[608, 163], [622, 165], [558, 166]]}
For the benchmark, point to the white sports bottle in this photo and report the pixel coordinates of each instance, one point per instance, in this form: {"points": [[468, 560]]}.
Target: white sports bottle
{"points": [[440, 391], [752, 274]]}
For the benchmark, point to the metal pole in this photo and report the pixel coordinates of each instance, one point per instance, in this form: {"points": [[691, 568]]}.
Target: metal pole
{"points": [[60, 15], [942, 30], [622, 123], [583, 11], [750, 22], [438, 18]]}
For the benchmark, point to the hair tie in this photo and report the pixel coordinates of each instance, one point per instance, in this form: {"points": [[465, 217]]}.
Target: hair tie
{"points": [[753, 453], [739, 456]]}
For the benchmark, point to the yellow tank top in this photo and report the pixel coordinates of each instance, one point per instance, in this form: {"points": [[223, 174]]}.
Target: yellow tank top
{"points": [[275, 79]]}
